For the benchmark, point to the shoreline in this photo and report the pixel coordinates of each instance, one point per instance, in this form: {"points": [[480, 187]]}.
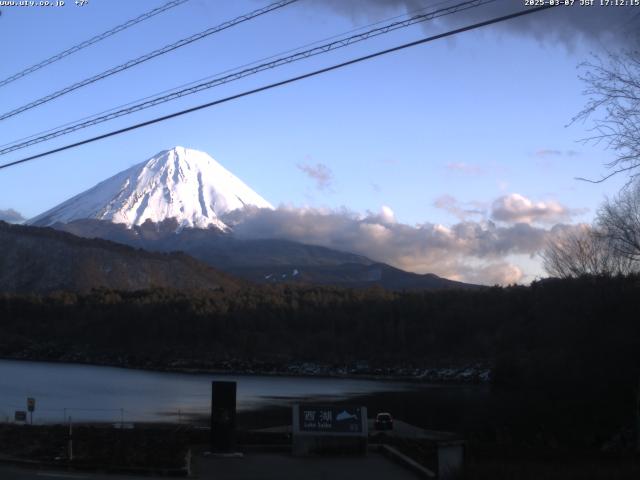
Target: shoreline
{"points": [[475, 374]]}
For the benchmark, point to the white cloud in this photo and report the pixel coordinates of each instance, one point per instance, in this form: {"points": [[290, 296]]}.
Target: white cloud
{"points": [[320, 173], [499, 273], [461, 211], [516, 208], [468, 250], [11, 216]]}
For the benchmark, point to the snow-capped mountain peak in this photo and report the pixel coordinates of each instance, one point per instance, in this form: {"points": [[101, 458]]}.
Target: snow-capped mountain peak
{"points": [[180, 183]]}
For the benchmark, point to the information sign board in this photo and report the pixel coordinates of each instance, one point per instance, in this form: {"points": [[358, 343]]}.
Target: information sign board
{"points": [[330, 419]]}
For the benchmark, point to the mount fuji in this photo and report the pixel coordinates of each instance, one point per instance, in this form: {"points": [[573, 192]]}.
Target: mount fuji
{"points": [[177, 200], [182, 184]]}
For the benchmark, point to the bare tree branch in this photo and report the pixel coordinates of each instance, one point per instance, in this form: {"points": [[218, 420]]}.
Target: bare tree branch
{"points": [[585, 252], [613, 91], [619, 222]]}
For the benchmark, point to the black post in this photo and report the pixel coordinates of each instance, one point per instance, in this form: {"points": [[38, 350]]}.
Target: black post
{"points": [[638, 418], [223, 416]]}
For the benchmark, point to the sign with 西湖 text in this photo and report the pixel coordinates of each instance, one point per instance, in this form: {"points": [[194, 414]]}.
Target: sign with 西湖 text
{"points": [[330, 419], [329, 429]]}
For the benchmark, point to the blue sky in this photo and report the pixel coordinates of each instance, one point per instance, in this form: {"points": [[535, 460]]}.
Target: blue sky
{"points": [[448, 126]]}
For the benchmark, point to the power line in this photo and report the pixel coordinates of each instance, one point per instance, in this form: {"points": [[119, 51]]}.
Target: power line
{"points": [[148, 56], [341, 43], [284, 82], [92, 40], [208, 77]]}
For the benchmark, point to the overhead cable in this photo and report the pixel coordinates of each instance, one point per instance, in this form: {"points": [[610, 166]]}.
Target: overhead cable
{"points": [[208, 77], [270, 86], [148, 56], [321, 49], [91, 41]]}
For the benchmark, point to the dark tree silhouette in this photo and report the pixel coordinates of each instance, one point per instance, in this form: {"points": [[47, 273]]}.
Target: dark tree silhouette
{"points": [[619, 219], [585, 251], [613, 91]]}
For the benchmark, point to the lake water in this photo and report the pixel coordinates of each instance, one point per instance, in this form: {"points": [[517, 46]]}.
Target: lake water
{"points": [[94, 393]]}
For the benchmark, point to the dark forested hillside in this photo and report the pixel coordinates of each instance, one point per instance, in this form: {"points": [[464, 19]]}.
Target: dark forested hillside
{"points": [[36, 260], [561, 329], [568, 348]]}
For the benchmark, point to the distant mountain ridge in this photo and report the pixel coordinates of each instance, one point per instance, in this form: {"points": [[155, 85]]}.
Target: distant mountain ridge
{"points": [[180, 199], [262, 260], [36, 260]]}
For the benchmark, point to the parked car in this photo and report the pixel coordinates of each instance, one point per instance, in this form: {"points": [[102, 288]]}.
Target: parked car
{"points": [[384, 421]]}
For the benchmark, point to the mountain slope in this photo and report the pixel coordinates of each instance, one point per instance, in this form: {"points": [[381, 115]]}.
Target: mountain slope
{"points": [[262, 260], [222, 250], [180, 183], [42, 259], [350, 275], [183, 200]]}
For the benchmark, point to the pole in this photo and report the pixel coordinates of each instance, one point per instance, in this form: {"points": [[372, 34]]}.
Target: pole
{"points": [[638, 418], [121, 418], [70, 440]]}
